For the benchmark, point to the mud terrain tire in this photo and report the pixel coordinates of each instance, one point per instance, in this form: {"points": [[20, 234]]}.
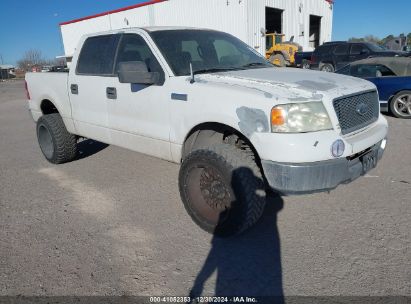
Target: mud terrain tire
{"points": [[57, 144], [222, 189]]}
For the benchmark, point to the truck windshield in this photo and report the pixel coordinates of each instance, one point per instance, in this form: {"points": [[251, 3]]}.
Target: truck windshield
{"points": [[207, 51]]}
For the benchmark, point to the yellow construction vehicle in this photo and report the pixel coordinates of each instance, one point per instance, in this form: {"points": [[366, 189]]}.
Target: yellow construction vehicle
{"points": [[280, 52]]}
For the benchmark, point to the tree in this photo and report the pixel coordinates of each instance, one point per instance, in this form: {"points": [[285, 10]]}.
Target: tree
{"points": [[386, 39], [354, 39], [368, 38], [56, 62], [31, 57], [372, 39]]}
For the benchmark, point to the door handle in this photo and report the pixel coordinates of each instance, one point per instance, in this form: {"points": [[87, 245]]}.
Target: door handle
{"points": [[111, 93], [74, 89]]}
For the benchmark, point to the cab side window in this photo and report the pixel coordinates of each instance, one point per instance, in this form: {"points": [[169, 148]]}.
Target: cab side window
{"points": [[358, 49], [345, 70], [97, 55], [341, 49], [371, 70], [134, 48], [383, 71], [324, 49], [268, 42], [364, 71]]}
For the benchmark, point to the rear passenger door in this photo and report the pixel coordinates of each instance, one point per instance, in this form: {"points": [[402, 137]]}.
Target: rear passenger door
{"points": [[341, 53], [358, 51], [87, 86], [138, 114]]}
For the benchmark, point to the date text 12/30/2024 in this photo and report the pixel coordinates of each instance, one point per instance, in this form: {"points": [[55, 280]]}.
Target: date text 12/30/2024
{"points": [[203, 300]]}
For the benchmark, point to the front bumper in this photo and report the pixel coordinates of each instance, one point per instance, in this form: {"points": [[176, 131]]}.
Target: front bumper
{"points": [[288, 178]]}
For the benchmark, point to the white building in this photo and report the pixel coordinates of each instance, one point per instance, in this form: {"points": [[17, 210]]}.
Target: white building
{"points": [[309, 21]]}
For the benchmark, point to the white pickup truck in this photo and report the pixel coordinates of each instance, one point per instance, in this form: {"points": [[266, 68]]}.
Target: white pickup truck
{"points": [[203, 98]]}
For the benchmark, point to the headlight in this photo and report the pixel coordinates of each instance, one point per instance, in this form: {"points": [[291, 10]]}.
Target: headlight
{"points": [[300, 118]]}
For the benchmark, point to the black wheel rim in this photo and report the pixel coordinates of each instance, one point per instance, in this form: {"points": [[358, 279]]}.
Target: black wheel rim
{"points": [[209, 194], [46, 142]]}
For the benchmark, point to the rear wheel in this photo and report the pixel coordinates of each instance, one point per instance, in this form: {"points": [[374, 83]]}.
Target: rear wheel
{"points": [[400, 105], [305, 64], [222, 189], [327, 67], [277, 60], [57, 144]]}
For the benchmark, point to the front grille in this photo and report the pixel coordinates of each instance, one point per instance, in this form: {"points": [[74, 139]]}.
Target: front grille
{"points": [[357, 111]]}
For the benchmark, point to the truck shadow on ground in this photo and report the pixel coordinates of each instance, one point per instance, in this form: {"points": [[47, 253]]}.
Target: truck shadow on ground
{"points": [[248, 264], [89, 147]]}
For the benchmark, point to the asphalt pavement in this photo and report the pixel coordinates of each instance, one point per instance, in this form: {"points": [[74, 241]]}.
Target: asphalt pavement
{"points": [[112, 223]]}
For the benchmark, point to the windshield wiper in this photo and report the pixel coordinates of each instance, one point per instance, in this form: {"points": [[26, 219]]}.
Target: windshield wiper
{"points": [[215, 70]]}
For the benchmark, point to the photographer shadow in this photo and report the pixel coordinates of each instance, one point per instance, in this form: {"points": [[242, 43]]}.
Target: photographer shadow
{"points": [[89, 147], [248, 265]]}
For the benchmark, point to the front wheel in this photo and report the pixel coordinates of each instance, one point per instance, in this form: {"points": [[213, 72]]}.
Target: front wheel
{"points": [[327, 67], [400, 105], [278, 60], [222, 189], [305, 64]]}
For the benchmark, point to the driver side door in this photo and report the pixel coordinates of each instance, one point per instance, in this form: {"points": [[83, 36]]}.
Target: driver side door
{"points": [[138, 114]]}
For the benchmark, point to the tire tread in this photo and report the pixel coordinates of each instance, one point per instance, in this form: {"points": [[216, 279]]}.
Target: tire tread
{"points": [[65, 143], [233, 158]]}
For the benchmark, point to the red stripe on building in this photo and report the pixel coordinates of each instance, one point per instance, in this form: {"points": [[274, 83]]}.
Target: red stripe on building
{"points": [[114, 11]]}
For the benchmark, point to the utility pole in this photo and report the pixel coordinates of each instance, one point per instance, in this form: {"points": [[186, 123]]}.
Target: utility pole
{"points": [[1, 71]]}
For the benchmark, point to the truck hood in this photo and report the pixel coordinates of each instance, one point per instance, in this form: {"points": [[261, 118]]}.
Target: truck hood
{"points": [[289, 83]]}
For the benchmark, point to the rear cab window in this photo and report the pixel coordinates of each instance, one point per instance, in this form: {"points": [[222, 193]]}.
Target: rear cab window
{"points": [[97, 55]]}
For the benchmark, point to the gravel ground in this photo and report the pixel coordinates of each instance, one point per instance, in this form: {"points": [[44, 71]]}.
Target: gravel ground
{"points": [[112, 223]]}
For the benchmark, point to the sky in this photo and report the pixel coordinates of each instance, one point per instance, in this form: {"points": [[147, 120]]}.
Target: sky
{"points": [[33, 24], [356, 18]]}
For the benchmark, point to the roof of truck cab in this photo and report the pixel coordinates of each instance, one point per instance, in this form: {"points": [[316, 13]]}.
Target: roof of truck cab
{"points": [[172, 28], [401, 66], [150, 29]]}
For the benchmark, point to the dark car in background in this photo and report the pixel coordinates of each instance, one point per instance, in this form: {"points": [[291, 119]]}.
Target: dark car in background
{"points": [[392, 76], [332, 56], [303, 59]]}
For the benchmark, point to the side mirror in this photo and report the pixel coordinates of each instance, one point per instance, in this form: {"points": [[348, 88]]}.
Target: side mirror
{"points": [[136, 72], [263, 31]]}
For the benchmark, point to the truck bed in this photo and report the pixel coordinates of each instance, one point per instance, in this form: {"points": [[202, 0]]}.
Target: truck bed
{"points": [[48, 86]]}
